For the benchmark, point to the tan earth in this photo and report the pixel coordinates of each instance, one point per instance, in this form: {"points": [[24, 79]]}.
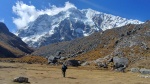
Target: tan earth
{"points": [[45, 74]]}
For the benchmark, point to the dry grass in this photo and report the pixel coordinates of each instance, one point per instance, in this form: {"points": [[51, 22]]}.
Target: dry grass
{"points": [[26, 59], [44, 74], [142, 64]]}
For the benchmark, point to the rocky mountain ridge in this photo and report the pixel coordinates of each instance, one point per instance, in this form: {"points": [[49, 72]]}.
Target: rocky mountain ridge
{"points": [[68, 25]]}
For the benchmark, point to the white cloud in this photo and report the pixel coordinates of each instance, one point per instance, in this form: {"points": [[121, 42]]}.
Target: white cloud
{"points": [[28, 13], [89, 2], [1, 20]]}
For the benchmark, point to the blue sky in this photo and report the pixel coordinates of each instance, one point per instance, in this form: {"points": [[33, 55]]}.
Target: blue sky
{"points": [[10, 12]]}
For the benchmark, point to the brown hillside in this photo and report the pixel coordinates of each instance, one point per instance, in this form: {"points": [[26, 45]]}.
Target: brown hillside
{"points": [[11, 45]]}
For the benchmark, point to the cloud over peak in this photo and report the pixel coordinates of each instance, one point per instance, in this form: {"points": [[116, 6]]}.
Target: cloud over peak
{"points": [[28, 13]]}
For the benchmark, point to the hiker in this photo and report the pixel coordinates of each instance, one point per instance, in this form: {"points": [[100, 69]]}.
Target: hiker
{"points": [[64, 67]]}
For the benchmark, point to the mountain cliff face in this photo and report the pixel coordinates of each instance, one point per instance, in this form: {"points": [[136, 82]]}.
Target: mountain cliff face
{"points": [[68, 25], [10, 44]]}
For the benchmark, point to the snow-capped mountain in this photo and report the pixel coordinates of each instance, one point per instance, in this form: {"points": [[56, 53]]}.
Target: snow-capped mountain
{"points": [[68, 25]]}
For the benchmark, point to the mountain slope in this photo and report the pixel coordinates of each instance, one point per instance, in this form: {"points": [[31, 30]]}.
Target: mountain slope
{"points": [[68, 25], [131, 41], [11, 45]]}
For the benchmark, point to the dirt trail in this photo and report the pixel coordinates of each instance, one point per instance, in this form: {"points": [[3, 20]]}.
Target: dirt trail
{"points": [[44, 74]]}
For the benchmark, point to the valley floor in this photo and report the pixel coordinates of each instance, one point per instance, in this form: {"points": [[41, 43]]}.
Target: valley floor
{"points": [[45, 74]]}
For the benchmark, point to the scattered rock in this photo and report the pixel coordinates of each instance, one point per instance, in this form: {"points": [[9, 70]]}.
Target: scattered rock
{"points": [[135, 70], [140, 70], [85, 63], [21, 80], [144, 71], [102, 64], [63, 58]]}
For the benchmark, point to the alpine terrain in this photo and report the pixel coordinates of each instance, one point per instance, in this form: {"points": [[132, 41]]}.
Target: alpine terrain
{"points": [[130, 41], [68, 25]]}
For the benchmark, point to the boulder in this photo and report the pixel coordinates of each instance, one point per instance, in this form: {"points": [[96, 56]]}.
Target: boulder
{"points": [[102, 65], [72, 63], [144, 71], [135, 70], [120, 63], [21, 80], [52, 59]]}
